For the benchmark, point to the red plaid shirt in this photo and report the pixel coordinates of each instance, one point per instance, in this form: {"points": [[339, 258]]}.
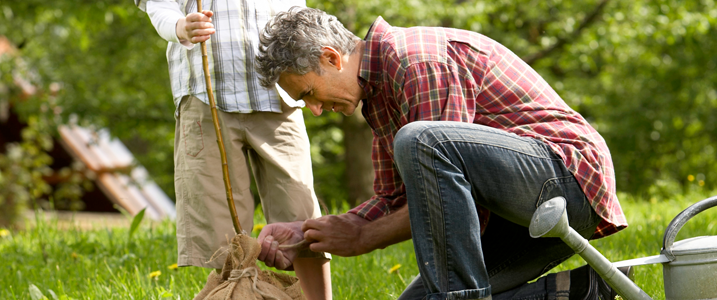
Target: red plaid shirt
{"points": [[443, 74]]}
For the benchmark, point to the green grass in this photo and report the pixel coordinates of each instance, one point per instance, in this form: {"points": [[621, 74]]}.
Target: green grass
{"points": [[107, 264]]}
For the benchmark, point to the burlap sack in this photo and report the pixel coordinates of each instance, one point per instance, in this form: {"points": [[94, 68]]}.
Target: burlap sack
{"points": [[241, 279]]}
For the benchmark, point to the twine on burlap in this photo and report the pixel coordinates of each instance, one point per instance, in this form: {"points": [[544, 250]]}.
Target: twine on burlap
{"points": [[241, 279], [239, 274]]}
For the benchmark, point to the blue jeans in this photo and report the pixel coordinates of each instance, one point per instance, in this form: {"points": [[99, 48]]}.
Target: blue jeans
{"points": [[448, 169]]}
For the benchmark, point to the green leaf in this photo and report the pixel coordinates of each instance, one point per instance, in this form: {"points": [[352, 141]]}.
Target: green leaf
{"points": [[136, 221], [164, 293], [52, 293], [35, 293]]}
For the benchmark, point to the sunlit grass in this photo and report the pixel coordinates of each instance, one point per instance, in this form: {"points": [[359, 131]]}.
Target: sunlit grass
{"points": [[105, 263]]}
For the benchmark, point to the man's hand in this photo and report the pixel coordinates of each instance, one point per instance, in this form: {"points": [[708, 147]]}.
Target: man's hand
{"points": [[276, 234], [195, 27], [340, 235]]}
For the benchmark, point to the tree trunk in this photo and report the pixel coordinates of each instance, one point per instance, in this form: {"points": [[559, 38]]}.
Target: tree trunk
{"points": [[359, 168], [357, 141]]}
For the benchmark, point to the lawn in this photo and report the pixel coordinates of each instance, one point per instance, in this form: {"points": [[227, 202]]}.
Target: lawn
{"points": [[109, 263]]}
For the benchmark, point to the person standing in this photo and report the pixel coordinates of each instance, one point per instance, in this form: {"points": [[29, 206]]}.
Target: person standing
{"points": [[262, 128]]}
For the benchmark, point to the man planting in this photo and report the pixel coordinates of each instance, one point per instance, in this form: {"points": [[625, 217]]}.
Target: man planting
{"points": [[468, 141]]}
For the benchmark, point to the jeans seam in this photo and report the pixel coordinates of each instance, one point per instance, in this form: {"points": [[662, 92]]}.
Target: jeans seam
{"points": [[553, 180], [443, 272], [556, 180], [421, 178], [513, 136], [444, 255], [437, 142], [553, 264]]}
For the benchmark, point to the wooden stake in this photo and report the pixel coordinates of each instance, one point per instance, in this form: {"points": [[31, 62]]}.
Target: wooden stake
{"points": [[220, 141]]}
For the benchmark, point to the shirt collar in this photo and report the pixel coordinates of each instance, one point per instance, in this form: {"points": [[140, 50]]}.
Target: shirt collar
{"points": [[370, 69]]}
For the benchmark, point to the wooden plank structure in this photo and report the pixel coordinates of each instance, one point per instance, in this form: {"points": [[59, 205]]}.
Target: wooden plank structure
{"points": [[122, 180], [109, 164]]}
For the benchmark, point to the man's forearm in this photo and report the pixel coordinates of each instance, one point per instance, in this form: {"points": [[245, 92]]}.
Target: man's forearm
{"points": [[350, 235], [387, 230]]}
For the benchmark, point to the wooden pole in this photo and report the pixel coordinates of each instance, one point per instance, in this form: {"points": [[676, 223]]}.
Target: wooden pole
{"points": [[220, 141]]}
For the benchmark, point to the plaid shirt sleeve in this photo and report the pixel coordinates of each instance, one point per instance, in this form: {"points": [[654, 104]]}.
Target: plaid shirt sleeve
{"points": [[387, 184]]}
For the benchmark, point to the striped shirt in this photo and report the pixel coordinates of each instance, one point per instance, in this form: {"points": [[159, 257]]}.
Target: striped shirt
{"points": [[442, 74], [230, 52]]}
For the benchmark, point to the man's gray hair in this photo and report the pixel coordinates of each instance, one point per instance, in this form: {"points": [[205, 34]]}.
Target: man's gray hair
{"points": [[292, 42]]}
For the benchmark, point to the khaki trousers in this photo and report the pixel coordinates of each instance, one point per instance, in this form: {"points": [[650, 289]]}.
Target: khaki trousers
{"points": [[276, 147]]}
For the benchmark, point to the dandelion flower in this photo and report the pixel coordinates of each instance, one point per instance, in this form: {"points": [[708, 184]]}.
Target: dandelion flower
{"points": [[4, 232], [691, 177], [155, 274], [702, 183], [394, 268], [172, 267], [258, 227]]}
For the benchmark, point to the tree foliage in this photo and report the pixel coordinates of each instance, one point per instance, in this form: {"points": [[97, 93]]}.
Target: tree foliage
{"points": [[110, 66], [21, 170], [642, 72]]}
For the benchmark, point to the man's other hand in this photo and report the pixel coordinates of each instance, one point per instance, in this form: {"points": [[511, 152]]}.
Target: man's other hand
{"points": [[341, 235], [195, 27], [275, 234]]}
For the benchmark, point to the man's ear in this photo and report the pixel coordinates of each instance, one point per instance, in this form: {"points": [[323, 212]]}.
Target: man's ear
{"points": [[331, 58]]}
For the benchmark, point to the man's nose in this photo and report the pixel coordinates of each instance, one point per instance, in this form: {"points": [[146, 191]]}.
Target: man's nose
{"points": [[315, 108]]}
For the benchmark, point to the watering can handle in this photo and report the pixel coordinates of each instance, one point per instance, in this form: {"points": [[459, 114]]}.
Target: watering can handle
{"points": [[680, 221]]}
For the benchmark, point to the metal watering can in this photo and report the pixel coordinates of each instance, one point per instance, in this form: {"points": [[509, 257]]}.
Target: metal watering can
{"points": [[689, 266]]}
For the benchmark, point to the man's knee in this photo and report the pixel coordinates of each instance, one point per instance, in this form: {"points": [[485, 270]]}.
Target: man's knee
{"points": [[409, 135], [405, 141]]}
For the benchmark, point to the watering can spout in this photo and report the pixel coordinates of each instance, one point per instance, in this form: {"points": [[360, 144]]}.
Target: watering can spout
{"points": [[551, 220]]}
